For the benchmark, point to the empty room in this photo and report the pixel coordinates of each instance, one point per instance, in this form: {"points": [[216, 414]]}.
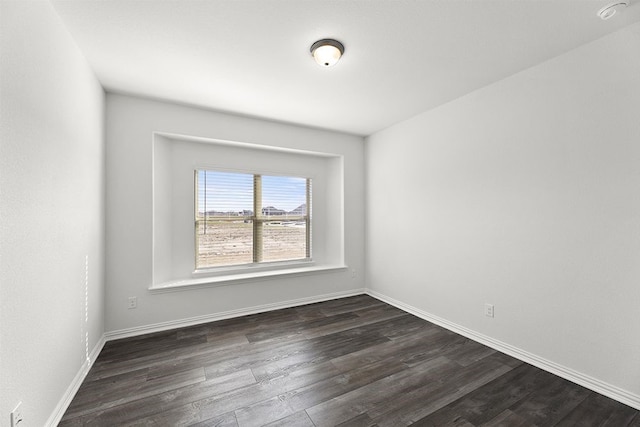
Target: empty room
{"points": [[320, 213]]}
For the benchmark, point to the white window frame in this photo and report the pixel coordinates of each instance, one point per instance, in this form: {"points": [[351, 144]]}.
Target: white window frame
{"points": [[258, 221]]}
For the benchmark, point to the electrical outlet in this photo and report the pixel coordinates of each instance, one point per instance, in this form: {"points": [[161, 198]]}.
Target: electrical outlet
{"points": [[16, 416], [488, 310], [133, 302], [353, 273]]}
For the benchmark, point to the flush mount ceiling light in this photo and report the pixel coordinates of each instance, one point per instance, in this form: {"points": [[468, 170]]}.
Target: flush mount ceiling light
{"points": [[609, 10], [327, 52]]}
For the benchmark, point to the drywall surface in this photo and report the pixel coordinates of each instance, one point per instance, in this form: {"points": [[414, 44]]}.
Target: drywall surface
{"points": [[131, 124], [52, 211], [525, 195]]}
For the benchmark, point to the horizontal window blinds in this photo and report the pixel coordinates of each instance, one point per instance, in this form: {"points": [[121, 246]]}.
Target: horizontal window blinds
{"points": [[250, 218]]}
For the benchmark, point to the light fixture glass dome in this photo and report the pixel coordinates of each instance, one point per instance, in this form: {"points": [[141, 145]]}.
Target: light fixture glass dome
{"points": [[327, 52], [609, 10]]}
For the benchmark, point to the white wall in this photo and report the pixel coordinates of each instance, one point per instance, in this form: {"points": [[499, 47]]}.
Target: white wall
{"points": [[51, 215], [130, 124], [524, 194]]}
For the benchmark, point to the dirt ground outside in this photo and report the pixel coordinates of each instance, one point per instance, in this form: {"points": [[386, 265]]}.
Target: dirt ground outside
{"points": [[231, 243]]}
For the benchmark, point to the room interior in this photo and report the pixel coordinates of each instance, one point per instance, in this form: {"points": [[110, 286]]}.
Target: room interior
{"points": [[473, 153]]}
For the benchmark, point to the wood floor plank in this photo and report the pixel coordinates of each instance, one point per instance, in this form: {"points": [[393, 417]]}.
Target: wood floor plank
{"points": [[507, 418], [346, 362], [320, 349], [550, 403], [111, 397], [209, 350], [217, 405], [151, 405], [411, 406], [322, 391], [377, 316], [400, 349], [198, 403], [488, 401], [362, 420], [375, 394], [298, 419], [264, 412], [298, 326], [226, 420], [598, 410]]}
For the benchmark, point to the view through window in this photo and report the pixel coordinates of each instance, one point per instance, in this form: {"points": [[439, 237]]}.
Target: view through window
{"points": [[243, 218]]}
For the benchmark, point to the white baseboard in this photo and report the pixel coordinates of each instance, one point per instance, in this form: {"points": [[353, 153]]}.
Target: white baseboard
{"points": [[579, 378], [71, 391], [181, 323]]}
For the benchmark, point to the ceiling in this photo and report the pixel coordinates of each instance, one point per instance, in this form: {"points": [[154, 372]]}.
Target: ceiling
{"points": [[251, 57]]}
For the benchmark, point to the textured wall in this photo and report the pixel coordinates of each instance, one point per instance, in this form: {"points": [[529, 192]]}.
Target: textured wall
{"points": [[52, 211]]}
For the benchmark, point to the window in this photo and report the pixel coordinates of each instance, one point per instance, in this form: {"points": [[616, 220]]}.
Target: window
{"points": [[281, 241], [243, 219]]}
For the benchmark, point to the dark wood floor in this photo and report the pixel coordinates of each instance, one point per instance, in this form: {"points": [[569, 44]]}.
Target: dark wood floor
{"points": [[349, 362]]}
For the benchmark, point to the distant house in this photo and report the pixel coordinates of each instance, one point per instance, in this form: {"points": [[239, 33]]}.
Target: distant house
{"points": [[300, 210], [271, 211]]}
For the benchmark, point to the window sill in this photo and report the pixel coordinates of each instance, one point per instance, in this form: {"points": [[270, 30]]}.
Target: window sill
{"points": [[214, 281]]}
